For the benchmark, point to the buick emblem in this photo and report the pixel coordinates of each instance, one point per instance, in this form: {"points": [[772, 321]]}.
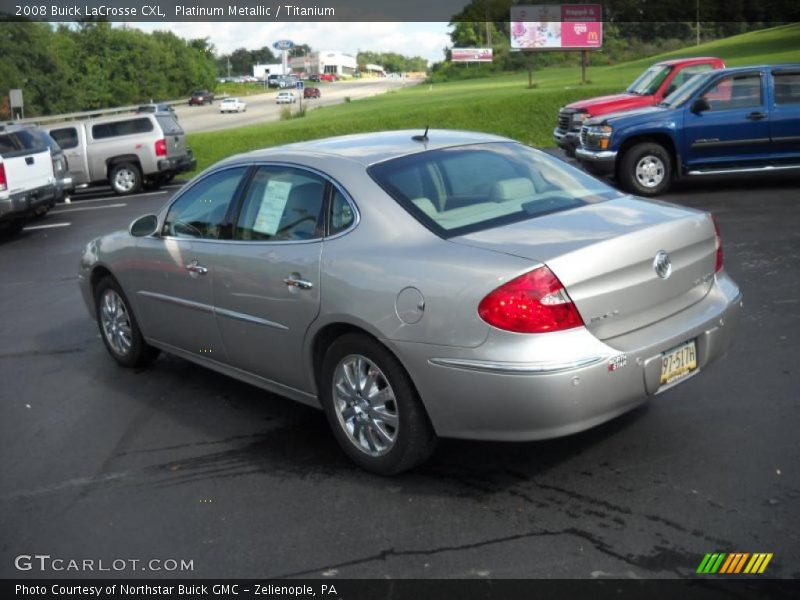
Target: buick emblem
{"points": [[662, 264]]}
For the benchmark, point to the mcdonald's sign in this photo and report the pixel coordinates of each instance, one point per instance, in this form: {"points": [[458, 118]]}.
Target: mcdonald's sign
{"points": [[557, 27]]}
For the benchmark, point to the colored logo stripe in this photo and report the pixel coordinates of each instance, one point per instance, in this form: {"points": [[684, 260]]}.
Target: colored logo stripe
{"points": [[734, 563]]}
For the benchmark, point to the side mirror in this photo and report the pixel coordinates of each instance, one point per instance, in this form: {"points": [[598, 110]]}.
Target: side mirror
{"points": [[700, 105], [144, 226]]}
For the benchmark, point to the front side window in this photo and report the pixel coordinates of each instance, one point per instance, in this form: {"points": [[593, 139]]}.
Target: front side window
{"points": [[735, 92], [685, 75], [281, 204], [200, 212], [66, 137], [787, 87], [463, 189]]}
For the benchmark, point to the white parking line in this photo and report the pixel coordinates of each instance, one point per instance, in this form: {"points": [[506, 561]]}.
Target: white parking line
{"points": [[49, 226], [72, 210]]}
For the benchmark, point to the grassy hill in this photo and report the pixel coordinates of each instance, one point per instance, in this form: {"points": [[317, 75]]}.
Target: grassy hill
{"points": [[502, 105]]}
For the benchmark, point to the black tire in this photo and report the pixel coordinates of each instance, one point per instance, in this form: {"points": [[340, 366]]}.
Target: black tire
{"points": [[656, 165], [139, 353], [125, 178], [414, 439]]}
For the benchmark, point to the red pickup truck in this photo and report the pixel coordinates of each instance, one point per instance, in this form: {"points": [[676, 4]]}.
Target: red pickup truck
{"points": [[652, 86]]}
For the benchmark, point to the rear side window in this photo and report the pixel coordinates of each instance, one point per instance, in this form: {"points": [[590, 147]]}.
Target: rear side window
{"points": [[67, 137], [118, 128], [463, 189], [787, 87], [282, 204]]}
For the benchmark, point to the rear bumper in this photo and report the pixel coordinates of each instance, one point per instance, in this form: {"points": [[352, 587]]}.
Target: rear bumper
{"points": [[597, 161], [551, 385], [23, 205], [178, 164]]}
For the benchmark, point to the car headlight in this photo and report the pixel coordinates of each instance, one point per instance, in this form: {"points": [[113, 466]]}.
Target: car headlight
{"points": [[599, 136], [578, 118]]}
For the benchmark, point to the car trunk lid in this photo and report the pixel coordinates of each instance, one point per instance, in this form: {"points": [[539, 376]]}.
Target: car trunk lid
{"points": [[605, 253]]}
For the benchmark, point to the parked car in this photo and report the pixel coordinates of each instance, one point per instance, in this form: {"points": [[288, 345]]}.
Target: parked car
{"points": [[232, 105], [125, 151], [158, 107], [311, 92], [285, 98], [273, 80], [453, 284], [200, 97], [313, 78], [327, 77], [290, 81], [64, 183], [738, 120], [652, 86], [27, 180]]}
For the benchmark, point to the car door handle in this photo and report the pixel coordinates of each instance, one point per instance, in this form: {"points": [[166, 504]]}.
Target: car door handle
{"points": [[294, 281], [194, 267], [756, 116]]}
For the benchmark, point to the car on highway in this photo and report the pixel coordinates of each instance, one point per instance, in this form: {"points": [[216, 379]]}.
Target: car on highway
{"points": [[200, 97], [656, 83], [285, 98], [232, 105], [157, 107], [311, 92], [740, 120], [449, 284]]}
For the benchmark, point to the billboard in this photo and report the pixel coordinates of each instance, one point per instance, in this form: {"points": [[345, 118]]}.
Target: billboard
{"points": [[557, 27], [471, 54]]}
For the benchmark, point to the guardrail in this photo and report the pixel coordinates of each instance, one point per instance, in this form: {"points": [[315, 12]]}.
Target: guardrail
{"points": [[101, 112]]}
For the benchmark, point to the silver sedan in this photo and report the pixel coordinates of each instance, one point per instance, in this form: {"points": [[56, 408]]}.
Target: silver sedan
{"points": [[417, 286]]}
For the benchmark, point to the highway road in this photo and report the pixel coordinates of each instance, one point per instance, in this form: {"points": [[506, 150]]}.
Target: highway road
{"points": [[261, 107]]}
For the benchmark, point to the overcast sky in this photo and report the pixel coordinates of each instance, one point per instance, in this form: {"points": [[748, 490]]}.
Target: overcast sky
{"points": [[411, 39]]}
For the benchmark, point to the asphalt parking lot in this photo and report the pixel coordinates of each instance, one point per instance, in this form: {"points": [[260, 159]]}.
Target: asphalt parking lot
{"points": [[178, 462]]}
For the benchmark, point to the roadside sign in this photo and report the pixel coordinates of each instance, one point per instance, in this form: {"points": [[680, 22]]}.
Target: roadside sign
{"points": [[299, 85], [283, 45]]}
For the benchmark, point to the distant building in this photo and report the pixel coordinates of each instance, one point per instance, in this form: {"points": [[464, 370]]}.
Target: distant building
{"points": [[261, 71], [371, 69], [325, 61]]}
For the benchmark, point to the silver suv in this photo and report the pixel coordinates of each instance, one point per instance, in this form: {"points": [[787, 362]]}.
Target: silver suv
{"points": [[125, 151]]}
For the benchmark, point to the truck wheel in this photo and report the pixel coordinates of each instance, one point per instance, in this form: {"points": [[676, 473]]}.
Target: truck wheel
{"points": [[125, 178], [646, 169]]}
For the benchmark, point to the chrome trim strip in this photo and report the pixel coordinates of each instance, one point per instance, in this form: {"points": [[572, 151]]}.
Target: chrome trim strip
{"points": [[178, 301], [513, 368], [232, 314], [745, 170], [717, 143], [602, 155]]}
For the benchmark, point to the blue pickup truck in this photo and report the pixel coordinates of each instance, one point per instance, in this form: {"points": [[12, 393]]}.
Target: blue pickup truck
{"points": [[739, 120]]}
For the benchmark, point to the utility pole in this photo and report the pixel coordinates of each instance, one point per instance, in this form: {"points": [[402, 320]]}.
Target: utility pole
{"points": [[229, 67], [697, 21]]}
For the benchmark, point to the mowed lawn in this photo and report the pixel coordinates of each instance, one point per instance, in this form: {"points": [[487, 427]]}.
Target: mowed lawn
{"points": [[503, 105]]}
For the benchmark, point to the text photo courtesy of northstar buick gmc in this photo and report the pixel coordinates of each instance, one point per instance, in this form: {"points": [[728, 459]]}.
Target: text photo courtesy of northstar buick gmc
{"points": [[451, 284]]}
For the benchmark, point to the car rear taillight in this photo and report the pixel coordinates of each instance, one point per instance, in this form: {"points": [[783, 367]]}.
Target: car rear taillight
{"points": [[3, 183], [535, 302], [718, 245], [161, 147]]}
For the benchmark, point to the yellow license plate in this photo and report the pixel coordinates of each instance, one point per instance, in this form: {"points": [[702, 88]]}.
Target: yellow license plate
{"points": [[678, 362]]}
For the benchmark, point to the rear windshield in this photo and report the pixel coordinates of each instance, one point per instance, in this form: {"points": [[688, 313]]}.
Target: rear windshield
{"points": [[168, 124], [460, 190], [20, 142]]}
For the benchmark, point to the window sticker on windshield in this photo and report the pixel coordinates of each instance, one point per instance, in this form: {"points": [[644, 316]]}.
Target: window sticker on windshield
{"points": [[272, 205]]}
